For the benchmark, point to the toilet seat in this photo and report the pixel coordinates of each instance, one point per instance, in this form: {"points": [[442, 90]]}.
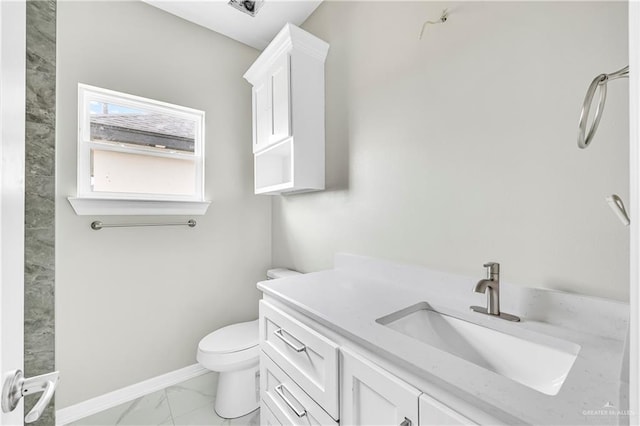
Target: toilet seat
{"points": [[230, 348], [232, 338]]}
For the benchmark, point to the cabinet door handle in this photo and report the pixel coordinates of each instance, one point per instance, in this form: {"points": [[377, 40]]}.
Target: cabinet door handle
{"points": [[297, 348], [406, 422], [280, 391]]}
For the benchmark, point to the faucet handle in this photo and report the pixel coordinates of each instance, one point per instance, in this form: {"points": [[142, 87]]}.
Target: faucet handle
{"points": [[493, 268]]}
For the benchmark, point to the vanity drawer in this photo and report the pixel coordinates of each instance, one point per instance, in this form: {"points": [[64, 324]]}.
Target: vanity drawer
{"points": [[267, 418], [288, 403], [306, 356]]}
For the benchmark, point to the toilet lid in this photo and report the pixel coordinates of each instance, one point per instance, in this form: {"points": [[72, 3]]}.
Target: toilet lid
{"points": [[232, 338]]}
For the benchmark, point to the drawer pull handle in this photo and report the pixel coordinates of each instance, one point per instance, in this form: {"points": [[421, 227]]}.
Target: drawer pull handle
{"points": [[279, 391], [406, 422], [279, 333]]}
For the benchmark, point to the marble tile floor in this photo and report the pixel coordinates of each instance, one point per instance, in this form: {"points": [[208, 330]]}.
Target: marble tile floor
{"points": [[187, 403]]}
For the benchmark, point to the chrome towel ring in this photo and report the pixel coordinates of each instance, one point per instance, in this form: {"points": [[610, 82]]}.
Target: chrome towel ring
{"points": [[584, 137]]}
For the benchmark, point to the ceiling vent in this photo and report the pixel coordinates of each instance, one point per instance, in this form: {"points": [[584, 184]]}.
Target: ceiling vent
{"points": [[250, 7]]}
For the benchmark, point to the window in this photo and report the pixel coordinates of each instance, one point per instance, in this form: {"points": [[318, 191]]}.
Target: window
{"points": [[133, 148]]}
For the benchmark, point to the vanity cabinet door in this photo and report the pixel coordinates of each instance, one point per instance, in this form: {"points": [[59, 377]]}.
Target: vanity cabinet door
{"points": [[434, 413], [372, 396]]}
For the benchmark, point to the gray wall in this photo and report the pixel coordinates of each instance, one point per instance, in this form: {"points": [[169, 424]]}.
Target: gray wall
{"points": [[133, 303], [39, 260], [460, 148], [446, 152]]}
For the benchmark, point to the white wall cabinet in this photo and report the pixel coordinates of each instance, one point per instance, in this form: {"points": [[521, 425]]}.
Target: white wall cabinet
{"points": [[288, 113]]}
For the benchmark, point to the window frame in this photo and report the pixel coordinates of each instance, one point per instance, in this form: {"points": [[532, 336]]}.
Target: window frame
{"points": [[88, 94]]}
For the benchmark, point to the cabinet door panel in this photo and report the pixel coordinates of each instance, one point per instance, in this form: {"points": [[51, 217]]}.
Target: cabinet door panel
{"points": [[262, 116], [280, 100], [434, 413], [372, 396]]}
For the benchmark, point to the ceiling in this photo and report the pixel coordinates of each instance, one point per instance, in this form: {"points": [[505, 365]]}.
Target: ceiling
{"points": [[220, 17]]}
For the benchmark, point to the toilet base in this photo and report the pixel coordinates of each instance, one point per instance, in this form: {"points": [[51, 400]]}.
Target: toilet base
{"points": [[238, 392]]}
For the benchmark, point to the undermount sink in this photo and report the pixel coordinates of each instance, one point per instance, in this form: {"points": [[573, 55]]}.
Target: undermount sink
{"points": [[534, 360]]}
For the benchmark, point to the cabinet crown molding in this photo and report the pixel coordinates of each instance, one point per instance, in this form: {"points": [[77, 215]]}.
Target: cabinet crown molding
{"points": [[290, 39]]}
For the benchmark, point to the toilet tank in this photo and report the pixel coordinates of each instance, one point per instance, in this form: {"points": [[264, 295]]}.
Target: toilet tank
{"points": [[272, 274]]}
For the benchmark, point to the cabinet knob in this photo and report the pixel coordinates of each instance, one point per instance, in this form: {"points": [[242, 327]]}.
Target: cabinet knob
{"points": [[406, 422]]}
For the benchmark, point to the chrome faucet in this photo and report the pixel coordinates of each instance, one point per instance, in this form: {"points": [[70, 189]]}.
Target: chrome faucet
{"points": [[491, 286]]}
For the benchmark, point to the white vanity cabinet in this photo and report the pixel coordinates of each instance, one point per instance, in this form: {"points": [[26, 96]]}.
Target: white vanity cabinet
{"points": [[434, 413], [311, 376], [372, 396], [288, 113]]}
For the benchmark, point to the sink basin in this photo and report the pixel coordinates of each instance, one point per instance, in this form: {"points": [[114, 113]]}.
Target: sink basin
{"points": [[532, 359]]}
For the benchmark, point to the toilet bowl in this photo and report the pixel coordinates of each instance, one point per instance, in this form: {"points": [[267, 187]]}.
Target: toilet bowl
{"points": [[234, 352]]}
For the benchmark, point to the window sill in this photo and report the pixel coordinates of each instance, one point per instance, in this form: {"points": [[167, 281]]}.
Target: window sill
{"points": [[102, 206]]}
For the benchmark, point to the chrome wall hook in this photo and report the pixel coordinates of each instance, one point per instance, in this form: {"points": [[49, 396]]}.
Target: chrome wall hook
{"points": [[617, 206]]}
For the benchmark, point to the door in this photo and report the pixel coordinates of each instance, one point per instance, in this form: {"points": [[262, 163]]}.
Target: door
{"points": [[372, 396], [12, 125]]}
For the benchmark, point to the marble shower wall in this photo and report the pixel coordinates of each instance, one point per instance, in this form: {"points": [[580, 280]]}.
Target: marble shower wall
{"points": [[39, 196]]}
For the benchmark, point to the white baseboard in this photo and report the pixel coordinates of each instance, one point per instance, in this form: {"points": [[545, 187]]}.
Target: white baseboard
{"points": [[100, 403]]}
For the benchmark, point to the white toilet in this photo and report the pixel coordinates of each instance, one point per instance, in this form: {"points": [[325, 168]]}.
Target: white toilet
{"points": [[233, 351]]}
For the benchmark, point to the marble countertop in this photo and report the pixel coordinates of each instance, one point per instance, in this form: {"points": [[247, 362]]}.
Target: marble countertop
{"points": [[349, 298]]}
